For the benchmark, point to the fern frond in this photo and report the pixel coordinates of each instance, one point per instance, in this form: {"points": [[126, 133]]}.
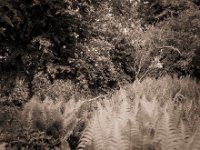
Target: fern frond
{"points": [[100, 126], [151, 110], [135, 135], [194, 141], [97, 134], [186, 133], [124, 113], [86, 139], [167, 132], [117, 140]]}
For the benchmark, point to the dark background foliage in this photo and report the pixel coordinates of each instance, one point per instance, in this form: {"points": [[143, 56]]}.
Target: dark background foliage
{"points": [[54, 37]]}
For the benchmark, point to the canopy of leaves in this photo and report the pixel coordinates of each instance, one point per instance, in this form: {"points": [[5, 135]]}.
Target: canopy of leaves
{"points": [[98, 44]]}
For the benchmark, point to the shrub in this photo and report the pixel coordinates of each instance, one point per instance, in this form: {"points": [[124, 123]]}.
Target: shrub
{"points": [[175, 23], [55, 90], [15, 90], [20, 93]]}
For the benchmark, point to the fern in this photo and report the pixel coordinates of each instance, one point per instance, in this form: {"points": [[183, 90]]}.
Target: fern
{"points": [[186, 133], [86, 139], [99, 133], [167, 132], [142, 122], [194, 141], [117, 139], [95, 135]]}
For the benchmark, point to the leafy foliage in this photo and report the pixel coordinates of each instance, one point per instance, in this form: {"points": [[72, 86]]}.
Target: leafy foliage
{"points": [[59, 50], [130, 121], [98, 44], [42, 124]]}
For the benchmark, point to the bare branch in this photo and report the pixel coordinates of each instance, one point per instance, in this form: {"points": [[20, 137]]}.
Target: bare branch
{"points": [[170, 47]]}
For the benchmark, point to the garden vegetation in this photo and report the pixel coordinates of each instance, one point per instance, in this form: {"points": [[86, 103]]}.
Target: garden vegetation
{"points": [[99, 74]]}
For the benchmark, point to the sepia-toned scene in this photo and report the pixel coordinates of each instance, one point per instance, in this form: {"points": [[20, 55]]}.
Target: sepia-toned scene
{"points": [[99, 74]]}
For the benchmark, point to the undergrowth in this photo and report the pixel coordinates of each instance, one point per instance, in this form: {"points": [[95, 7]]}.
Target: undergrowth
{"points": [[155, 114]]}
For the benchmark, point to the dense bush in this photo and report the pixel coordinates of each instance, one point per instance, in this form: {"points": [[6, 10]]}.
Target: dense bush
{"points": [[176, 24], [68, 37]]}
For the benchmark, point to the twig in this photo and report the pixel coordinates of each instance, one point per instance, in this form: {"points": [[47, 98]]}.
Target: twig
{"points": [[139, 68], [170, 47], [146, 72], [93, 99]]}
